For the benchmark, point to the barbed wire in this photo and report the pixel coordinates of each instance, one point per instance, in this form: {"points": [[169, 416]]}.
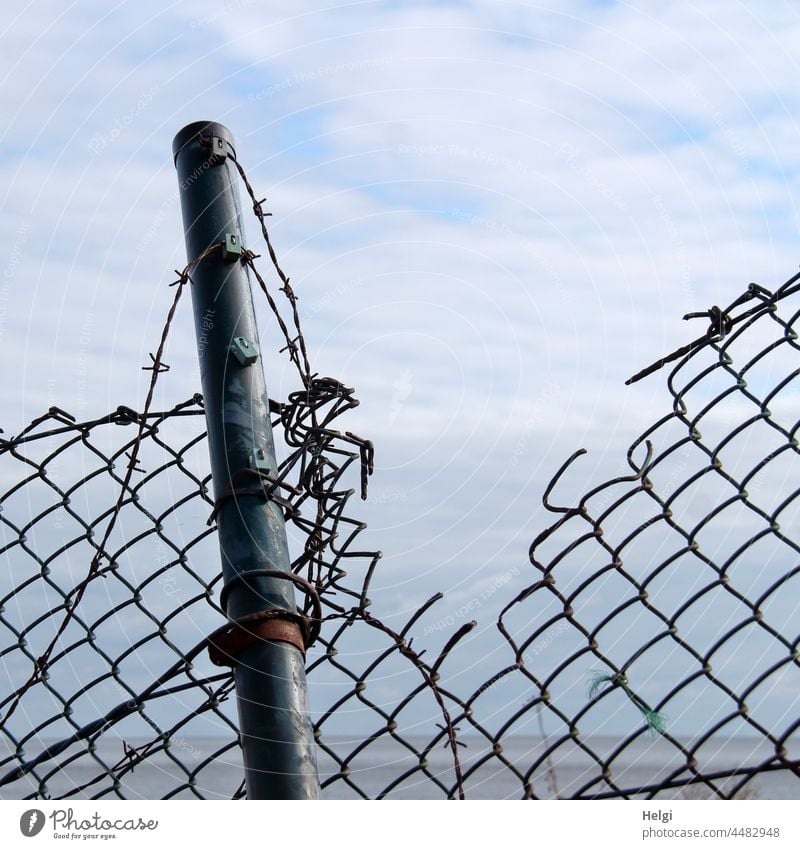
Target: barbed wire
{"points": [[156, 368], [615, 683], [308, 481]]}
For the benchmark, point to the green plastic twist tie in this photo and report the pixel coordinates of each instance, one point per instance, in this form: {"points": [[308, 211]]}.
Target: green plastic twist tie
{"points": [[656, 722]]}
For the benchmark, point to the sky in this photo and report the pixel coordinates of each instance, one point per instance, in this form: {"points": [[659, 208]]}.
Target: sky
{"points": [[493, 214]]}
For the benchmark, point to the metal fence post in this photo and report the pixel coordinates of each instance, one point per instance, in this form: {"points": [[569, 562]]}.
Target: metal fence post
{"points": [[276, 732]]}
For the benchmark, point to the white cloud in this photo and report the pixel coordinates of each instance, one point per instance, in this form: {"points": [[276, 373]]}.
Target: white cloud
{"points": [[510, 206]]}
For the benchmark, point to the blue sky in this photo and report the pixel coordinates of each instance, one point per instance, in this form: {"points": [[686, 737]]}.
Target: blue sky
{"points": [[493, 213]]}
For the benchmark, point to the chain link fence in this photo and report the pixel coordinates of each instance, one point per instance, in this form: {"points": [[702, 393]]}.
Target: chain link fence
{"points": [[651, 650]]}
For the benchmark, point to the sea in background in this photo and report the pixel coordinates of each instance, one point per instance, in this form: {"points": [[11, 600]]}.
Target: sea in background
{"points": [[645, 762]]}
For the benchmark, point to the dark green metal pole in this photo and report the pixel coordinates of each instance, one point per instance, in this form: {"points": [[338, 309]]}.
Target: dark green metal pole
{"points": [[276, 733]]}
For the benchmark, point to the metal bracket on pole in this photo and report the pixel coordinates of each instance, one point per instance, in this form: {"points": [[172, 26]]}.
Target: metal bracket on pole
{"points": [[219, 149], [232, 249], [244, 351], [276, 733], [260, 462]]}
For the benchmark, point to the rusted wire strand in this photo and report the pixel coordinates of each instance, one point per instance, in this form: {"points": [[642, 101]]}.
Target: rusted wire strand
{"points": [[94, 567], [601, 563]]}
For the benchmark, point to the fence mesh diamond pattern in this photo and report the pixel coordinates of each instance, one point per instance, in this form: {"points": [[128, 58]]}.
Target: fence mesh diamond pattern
{"points": [[651, 646]]}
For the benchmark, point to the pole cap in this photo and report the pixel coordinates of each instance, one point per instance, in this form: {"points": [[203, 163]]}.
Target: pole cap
{"points": [[196, 128]]}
